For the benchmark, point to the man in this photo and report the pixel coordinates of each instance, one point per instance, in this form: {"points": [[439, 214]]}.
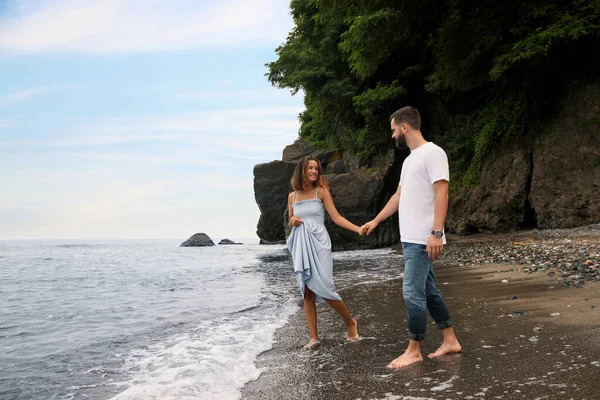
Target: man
{"points": [[421, 201]]}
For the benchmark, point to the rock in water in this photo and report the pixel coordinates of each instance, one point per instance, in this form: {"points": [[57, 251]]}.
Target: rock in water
{"points": [[198, 240], [228, 241]]}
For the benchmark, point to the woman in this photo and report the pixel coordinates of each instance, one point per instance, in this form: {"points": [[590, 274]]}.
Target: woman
{"points": [[310, 245]]}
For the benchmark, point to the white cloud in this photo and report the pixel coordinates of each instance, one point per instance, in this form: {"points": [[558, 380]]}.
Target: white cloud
{"points": [[124, 26], [26, 94], [6, 124], [258, 128], [261, 120], [107, 206], [180, 158], [252, 95]]}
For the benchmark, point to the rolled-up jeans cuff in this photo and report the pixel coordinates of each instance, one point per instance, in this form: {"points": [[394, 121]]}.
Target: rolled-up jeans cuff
{"points": [[417, 337], [445, 324]]}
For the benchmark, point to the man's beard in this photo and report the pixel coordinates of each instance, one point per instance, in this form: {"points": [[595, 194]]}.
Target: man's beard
{"points": [[401, 142]]}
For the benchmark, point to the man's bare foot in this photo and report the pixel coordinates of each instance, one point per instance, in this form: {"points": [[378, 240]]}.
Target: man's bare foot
{"points": [[405, 360], [352, 330], [447, 348], [312, 343]]}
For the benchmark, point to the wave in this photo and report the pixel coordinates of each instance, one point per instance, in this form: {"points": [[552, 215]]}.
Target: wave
{"points": [[213, 362], [275, 257]]}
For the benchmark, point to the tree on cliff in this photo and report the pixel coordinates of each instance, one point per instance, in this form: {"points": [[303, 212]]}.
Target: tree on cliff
{"points": [[479, 71]]}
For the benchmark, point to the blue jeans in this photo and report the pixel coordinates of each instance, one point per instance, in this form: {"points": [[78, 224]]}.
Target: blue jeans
{"points": [[420, 293]]}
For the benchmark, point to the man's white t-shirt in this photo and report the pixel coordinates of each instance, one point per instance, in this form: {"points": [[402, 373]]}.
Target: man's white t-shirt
{"points": [[424, 166]]}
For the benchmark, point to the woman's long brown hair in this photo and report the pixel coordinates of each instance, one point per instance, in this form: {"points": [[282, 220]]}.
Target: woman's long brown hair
{"points": [[300, 172]]}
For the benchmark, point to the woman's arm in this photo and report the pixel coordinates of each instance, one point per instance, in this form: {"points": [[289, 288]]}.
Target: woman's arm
{"points": [[292, 220], [327, 200], [390, 209]]}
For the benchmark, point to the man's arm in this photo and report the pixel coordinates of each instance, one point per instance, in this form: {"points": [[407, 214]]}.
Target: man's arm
{"points": [[435, 245], [440, 207], [390, 209]]}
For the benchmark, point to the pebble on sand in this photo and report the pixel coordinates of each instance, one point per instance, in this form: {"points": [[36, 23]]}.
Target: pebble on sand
{"points": [[572, 256]]}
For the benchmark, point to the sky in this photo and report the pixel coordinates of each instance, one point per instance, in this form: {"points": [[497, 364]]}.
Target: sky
{"points": [[138, 118]]}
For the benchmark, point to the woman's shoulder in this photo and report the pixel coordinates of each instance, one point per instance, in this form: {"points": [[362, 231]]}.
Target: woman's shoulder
{"points": [[323, 191]]}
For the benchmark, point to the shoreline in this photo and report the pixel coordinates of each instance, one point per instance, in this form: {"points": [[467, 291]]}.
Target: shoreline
{"points": [[515, 345]]}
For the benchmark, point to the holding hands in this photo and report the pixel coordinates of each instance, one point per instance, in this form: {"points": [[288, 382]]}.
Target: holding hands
{"points": [[368, 227], [360, 230]]}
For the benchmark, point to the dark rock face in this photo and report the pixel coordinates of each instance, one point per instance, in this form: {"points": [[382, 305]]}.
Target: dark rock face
{"points": [[271, 188], [552, 182], [565, 186], [497, 204], [228, 241], [198, 240], [294, 152], [358, 196]]}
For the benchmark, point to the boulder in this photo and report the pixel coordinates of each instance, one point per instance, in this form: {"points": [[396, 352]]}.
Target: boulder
{"points": [[228, 241], [271, 189], [198, 240], [294, 152]]}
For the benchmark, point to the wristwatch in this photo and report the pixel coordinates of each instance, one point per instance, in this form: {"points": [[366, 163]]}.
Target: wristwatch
{"points": [[437, 234]]}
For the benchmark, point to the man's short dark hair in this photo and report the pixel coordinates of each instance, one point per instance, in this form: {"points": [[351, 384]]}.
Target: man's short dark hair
{"points": [[407, 114]]}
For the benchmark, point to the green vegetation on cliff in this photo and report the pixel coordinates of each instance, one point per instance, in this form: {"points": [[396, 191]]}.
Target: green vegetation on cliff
{"points": [[480, 72]]}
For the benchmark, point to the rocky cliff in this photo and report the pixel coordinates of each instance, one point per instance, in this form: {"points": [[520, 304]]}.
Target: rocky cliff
{"points": [[549, 180]]}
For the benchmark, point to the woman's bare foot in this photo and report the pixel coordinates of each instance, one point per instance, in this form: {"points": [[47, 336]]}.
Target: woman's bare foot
{"points": [[405, 360], [352, 330], [447, 348], [312, 343]]}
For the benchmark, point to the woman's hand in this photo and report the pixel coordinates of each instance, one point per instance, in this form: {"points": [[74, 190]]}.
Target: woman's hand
{"points": [[369, 227], [295, 221]]}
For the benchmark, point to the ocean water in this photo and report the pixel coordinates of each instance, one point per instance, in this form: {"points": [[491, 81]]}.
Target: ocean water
{"points": [[148, 319]]}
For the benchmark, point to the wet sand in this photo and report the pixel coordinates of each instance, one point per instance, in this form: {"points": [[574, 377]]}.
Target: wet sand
{"points": [[513, 349]]}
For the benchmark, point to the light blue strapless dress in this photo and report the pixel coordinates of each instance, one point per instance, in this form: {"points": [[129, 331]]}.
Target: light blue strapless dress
{"points": [[310, 247]]}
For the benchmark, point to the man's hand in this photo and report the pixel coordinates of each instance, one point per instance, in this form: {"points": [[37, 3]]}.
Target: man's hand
{"points": [[435, 247], [369, 226], [295, 221]]}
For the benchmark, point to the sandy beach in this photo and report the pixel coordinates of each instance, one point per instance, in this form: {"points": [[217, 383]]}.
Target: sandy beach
{"points": [[525, 335]]}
